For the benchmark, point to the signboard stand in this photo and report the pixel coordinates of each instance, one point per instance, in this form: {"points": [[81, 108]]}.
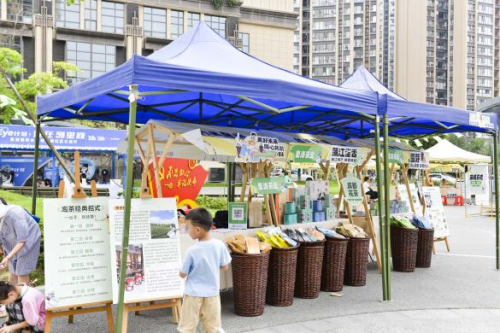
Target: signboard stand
{"points": [[169, 303], [79, 193]]}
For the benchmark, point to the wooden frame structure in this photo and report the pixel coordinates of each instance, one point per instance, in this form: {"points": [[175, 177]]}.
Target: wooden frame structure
{"points": [[70, 312]]}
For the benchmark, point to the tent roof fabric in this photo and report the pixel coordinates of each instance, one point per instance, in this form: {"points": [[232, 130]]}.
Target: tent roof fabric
{"points": [[446, 152], [213, 82], [201, 78], [418, 118]]}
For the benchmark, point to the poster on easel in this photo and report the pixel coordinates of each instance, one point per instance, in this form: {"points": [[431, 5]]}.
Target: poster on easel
{"points": [[154, 251], [477, 183], [434, 211], [403, 193], [77, 257]]}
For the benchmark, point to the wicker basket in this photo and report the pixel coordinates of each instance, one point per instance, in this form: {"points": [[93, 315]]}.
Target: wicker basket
{"points": [[309, 265], [281, 278], [404, 249], [332, 277], [424, 247], [356, 263], [249, 283]]}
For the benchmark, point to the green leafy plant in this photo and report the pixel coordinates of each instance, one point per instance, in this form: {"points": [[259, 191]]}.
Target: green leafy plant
{"points": [[219, 3]]}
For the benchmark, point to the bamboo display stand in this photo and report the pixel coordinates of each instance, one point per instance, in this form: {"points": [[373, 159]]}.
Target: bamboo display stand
{"points": [[173, 303], [341, 172], [70, 312]]}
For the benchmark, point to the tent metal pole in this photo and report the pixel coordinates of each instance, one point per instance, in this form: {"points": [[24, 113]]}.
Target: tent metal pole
{"points": [[381, 212], [497, 199], [35, 167], [387, 196], [128, 201]]}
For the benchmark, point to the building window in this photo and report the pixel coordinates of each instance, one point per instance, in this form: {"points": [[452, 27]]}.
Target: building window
{"points": [[193, 19], [176, 24], [112, 17], [67, 16], [245, 41], [217, 23], [155, 22], [11, 42], [20, 11], [92, 59], [91, 15]]}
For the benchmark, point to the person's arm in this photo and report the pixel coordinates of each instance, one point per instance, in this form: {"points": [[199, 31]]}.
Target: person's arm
{"points": [[224, 268], [31, 308], [19, 246], [186, 265], [225, 259], [13, 328]]}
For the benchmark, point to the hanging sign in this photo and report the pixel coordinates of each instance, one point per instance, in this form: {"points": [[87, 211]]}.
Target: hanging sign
{"points": [[77, 257], [180, 178], [352, 190], [254, 148], [154, 251], [268, 185], [306, 154], [349, 155], [434, 211], [480, 120], [396, 156], [238, 215], [419, 160]]}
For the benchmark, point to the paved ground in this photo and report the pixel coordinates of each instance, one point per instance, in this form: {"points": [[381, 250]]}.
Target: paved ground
{"points": [[460, 293]]}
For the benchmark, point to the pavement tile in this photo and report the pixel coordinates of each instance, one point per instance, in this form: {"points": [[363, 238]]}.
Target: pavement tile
{"points": [[318, 325], [292, 328]]}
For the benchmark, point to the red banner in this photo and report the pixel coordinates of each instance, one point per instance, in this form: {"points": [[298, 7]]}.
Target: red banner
{"points": [[180, 178]]}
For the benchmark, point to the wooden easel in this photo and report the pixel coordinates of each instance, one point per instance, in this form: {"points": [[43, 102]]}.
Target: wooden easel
{"points": [[78, 193], [173, 303]]}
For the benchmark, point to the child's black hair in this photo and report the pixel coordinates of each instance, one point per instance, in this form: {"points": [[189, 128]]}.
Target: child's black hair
{"points": [[200, 217], [5, 289], [2, 200]]}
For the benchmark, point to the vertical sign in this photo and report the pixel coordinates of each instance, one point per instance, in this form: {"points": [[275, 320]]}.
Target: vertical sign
{"points": [[154, 251], [434, 210], [238, 215], [352, 190], [477, 182], [403, 193], [77, 259]]}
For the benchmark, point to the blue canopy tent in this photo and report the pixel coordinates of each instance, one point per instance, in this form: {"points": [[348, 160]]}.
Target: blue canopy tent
{"points": [[201, 78], [414, 119]]}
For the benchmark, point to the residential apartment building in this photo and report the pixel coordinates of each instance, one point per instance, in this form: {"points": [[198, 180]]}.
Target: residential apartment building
{"points": [[435, 51], [98, 35]]}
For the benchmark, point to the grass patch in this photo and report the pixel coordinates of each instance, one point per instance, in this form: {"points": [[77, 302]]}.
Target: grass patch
{"points": [[25, 202]]}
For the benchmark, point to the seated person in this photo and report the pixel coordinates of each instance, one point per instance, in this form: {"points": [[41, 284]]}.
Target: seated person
{"points": [[368, 190]]}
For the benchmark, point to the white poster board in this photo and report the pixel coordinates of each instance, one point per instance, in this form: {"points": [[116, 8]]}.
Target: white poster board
{"points": [[154, 252], [353, 190], [477, 183], [434, 211], [77, 258], [403, 193]]}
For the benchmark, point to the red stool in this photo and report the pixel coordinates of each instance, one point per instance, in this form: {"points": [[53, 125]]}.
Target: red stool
{"points": [[459, 200], [445, 200]]}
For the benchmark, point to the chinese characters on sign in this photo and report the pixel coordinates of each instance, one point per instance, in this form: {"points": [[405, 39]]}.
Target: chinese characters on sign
{"points": [[306, 154], [255, 148], [348, 155], [77, 258], [352, 190], [268, 185], [154, 252], [396, 156], [419, 160], [480, 120], [477, 182]]}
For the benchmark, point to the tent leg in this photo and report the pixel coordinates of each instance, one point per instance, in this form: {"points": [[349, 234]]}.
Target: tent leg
{"points": [[128, 202], [387, 195], [35, 167], [381, 207], [497, 199]]}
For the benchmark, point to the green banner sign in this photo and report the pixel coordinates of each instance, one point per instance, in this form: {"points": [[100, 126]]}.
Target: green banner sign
{"points": [[353, 192], [396, 156], [238, 214], [306, 154], [268, 185]]}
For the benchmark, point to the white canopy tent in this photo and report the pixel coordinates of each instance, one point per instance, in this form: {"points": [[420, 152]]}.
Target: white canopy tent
{"points": [[446, 152]]}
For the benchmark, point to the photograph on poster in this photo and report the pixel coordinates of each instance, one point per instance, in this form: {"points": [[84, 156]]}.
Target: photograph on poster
{"points": [[162, 223], [135, 267]]}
